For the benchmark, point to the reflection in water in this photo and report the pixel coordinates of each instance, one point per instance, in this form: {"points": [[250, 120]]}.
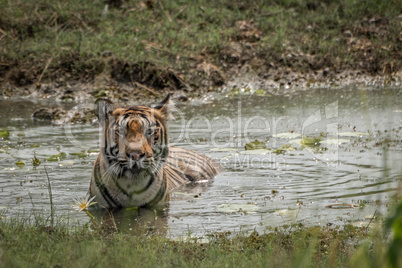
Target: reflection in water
{"points": [[135, 221], [145, 221]]}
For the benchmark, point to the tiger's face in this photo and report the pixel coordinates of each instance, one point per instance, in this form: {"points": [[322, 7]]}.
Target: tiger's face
{"points": [[136, 137]]}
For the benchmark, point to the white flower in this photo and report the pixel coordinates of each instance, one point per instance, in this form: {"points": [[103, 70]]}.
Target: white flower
{"points": [[83, 203]]}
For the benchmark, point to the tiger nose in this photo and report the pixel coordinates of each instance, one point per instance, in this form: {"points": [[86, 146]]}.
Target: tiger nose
{"points": [[136, 155]]}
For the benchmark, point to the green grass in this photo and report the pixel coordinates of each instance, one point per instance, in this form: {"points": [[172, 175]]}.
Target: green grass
{"points": [[180, 34], [32, 242]]}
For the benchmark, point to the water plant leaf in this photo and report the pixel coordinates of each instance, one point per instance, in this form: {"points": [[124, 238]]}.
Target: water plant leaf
{"points": [[287, 135], [254, 145], [20, 164], [68, 163], [341, 206], [352, 134], [223, 149], [93, 151], [334, 141], [232, 208], [310, 141], [256, 151], [4, 133], [80, 155], [56, 157], [280, 151], [35, 161]]}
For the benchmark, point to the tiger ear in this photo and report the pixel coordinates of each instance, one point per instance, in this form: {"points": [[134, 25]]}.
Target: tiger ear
{"points": [[103, 109], [166, 107]]}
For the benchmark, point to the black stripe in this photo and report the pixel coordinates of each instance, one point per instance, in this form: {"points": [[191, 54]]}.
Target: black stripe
{"points": [[105, 193], [161, 193], [199, 160], [151, 181], [173, 177]]}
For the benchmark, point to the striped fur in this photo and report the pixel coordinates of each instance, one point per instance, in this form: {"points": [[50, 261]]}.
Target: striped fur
{"points": [[136, 166]]}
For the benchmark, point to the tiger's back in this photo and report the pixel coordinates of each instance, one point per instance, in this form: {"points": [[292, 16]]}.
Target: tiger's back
{"points": [[184, 166]]}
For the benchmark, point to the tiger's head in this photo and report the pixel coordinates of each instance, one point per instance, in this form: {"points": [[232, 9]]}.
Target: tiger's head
{"points": [[136, 137]]}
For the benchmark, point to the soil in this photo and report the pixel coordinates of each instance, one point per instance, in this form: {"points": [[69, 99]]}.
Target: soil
{"points": [[243, 64]]}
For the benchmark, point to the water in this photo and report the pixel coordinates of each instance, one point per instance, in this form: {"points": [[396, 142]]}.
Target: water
{"points": [[357, 162]]}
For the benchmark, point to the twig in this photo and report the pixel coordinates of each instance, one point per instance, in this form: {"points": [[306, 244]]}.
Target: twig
{"points": [[44, 70], [33, 205], [167, 13], [371, 219], [30, 197], [180, 11], [112, 218], [4, 34], [50, 197], [146, 88]]}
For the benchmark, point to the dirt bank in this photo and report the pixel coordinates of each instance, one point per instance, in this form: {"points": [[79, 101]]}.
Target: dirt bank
{"points": [[70, 53]]}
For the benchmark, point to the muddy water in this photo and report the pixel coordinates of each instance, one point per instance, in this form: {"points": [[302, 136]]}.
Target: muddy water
{"points": [[332, 157]]}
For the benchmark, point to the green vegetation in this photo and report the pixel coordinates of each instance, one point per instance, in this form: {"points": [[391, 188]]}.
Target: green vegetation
{"points": [[36, 244], [255, 145], [20, 164], [166, 43], [311, 141], [4, 134], [57, 157]]}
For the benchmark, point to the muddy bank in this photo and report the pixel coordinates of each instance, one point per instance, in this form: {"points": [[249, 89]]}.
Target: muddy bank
{"points": [[128, 83]]}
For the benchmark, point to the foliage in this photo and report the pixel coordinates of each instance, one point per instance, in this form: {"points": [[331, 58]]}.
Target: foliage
{"points": [[25, 242], [394, 224], [254, 145], [42, 38]]}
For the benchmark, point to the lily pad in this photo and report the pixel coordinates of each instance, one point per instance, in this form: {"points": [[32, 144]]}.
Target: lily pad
{"points": [[80, 155], [257, 151], [286, 211], [223, 149], [342, 206], [4, 133], [334, 141], [255, 145], [287, 135], [352, 134], [57, 157], [67, 163], [20, 164], [93, 151], [287, 214], [295, 141], [310, 141], [231, 208], [280, 151]]}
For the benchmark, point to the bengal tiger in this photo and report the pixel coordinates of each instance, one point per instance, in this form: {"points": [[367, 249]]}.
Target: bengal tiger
{"points": [[136, 167]]}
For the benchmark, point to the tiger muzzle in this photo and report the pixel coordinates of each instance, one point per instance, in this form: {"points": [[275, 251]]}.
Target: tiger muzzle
{"points": [[135, 155]]}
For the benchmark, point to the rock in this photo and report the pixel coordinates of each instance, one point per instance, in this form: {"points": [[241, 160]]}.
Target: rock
{"points": [[49, 114]]}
